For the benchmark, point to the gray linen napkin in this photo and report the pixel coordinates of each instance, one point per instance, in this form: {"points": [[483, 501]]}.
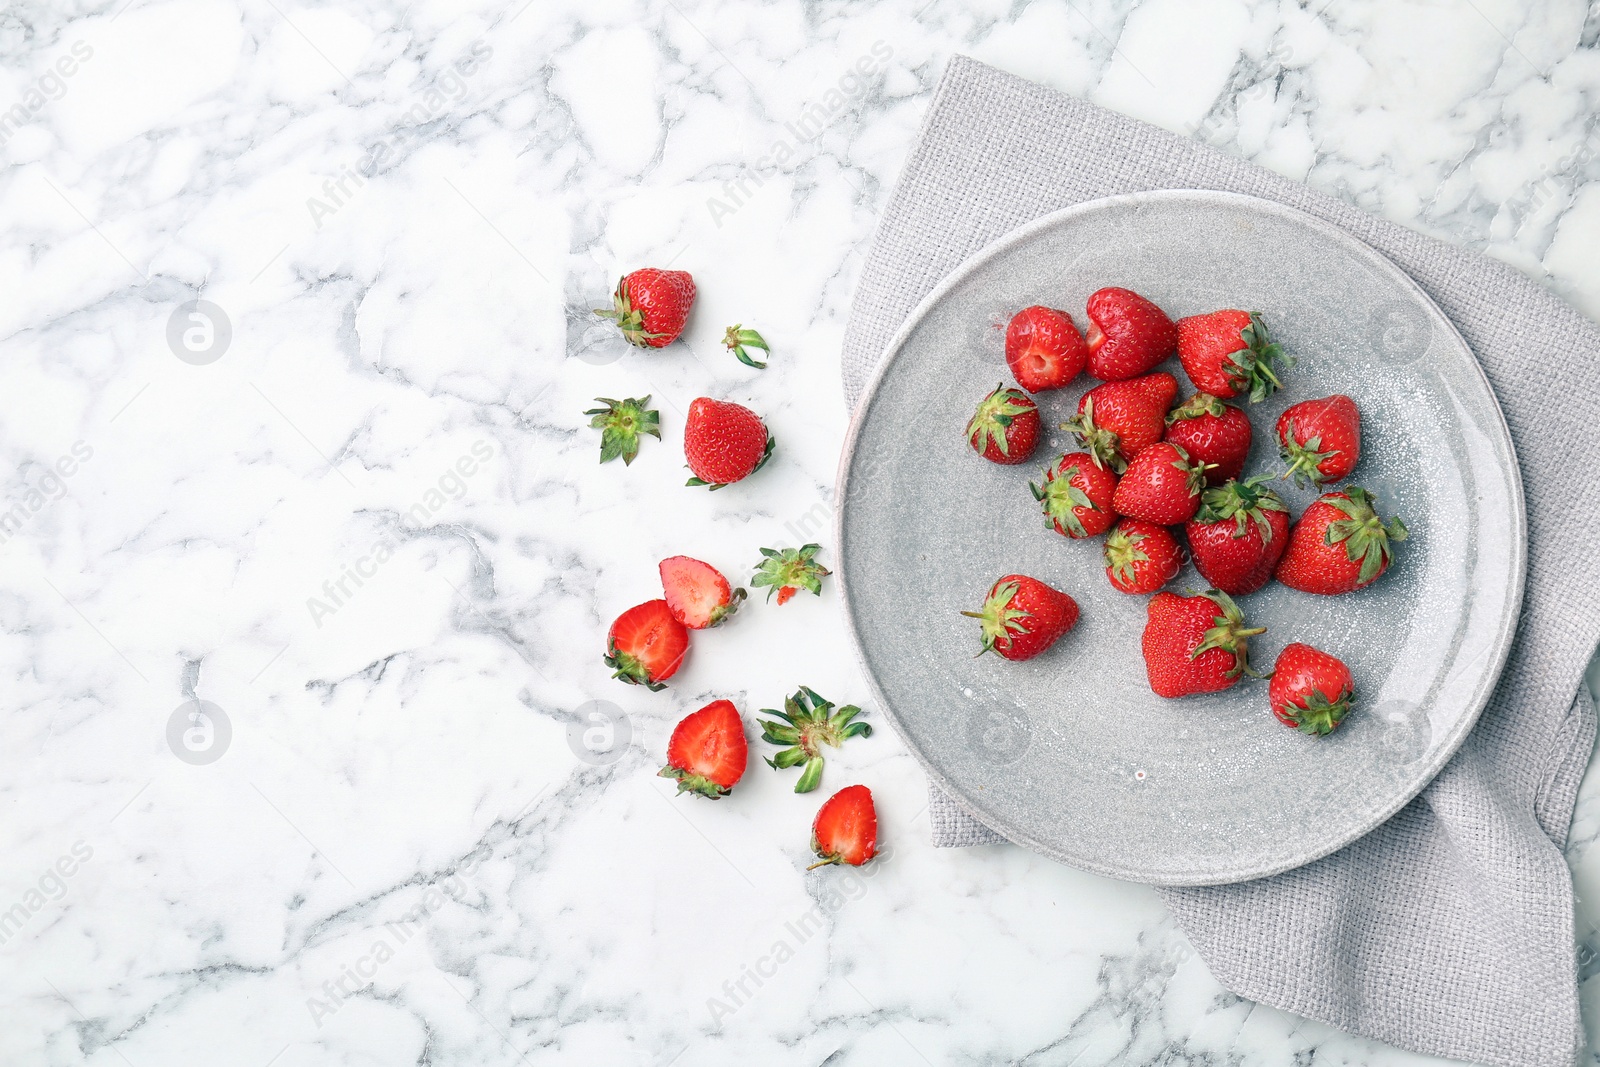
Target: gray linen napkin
{"points": [[1449, 929]]}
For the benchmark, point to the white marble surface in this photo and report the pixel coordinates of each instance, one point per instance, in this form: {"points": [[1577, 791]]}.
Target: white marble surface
{"points": [[400, 857]]}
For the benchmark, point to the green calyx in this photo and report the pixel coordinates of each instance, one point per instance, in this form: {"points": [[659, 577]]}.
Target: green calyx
{"points": [[1305, 458], [689, 782], [738, 339], [1243, 502], [1229, 634], [994, 416], [1194, 473], [766, 454], [1252, 373], [1059, 497], [999, 618], [1100, 443], [621, 423], [806, 723], [1319, 715], [1196, 406], [1366, 537], [629, 319], [627, 668], [790, 569], [1122, 551]]}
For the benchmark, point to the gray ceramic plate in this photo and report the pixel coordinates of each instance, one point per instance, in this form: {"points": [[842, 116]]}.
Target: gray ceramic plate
{"points": [[1070, 753]]}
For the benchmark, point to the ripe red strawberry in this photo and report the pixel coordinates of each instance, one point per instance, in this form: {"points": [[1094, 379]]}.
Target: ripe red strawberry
{"points": [[708, 751], [1212, 432], [1141, 557], [1238, 535], [1127, 335], [646, 645], [724, 442], [650, 306], [1340, 544], [1310, 690], [787, 571], [1005, 427], [846, 828], [1320, 439], [1076, 496], [1227, 354], [697, 594], [1118, 420], [1044, 348], [1195, 644], [1022, 617], [1161, 485]]}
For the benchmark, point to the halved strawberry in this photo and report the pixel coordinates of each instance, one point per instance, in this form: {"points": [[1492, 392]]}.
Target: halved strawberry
{"points": [[646, 645], [697, 594], [846, 828], [707, 753]]}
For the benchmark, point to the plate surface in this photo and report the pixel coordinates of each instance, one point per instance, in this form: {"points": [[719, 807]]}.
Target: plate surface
{"points": [[1071, 753]]}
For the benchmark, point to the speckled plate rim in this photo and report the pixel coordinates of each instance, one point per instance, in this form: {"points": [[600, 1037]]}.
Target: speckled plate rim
{"points": [[1493, 666]]}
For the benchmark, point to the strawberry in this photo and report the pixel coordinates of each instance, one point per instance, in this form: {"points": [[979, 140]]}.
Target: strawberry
{"points": [[1310, 690], [707, 752], [1076, 495], [737, 338], [1227, 354], [1005, 427], [621, 423], [1022, 617], [1127, 335], [1195, 644], [1161, 485], [1340, 544], [1212, 432], [697, 594], [1238, 535], [846, 828], [1320, 439], [650, 306], [1044, 348], [1141, 557], [1118, 420], [724, 443], [646, 645], [807, 723], [789, 570]]}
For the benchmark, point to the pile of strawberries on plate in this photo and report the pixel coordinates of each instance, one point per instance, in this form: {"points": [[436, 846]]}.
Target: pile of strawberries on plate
{"points": [[723, 443], [1146, 468]]}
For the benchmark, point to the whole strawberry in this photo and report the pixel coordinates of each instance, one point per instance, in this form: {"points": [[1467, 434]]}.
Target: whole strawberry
{"points": [[707, 753], [1310, 690], [646, 645], [1127, 335], [1195, 644], [1320, 439], [724, 442], [1005, 427], [1227, 354], [1238, 535], [1213, 433], [1044, 348], [846, 828], [650, 306], [1161, 485], [1141, 557], [1340, 544], [697, 594], [1022, 617], [1076, 496], [1118, 420]]}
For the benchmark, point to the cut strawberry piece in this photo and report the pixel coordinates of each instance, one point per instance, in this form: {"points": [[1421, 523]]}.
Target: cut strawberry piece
{"points": [[708, 751], [1044, 349], [846, 828], [646, 645], [697, 594]]}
